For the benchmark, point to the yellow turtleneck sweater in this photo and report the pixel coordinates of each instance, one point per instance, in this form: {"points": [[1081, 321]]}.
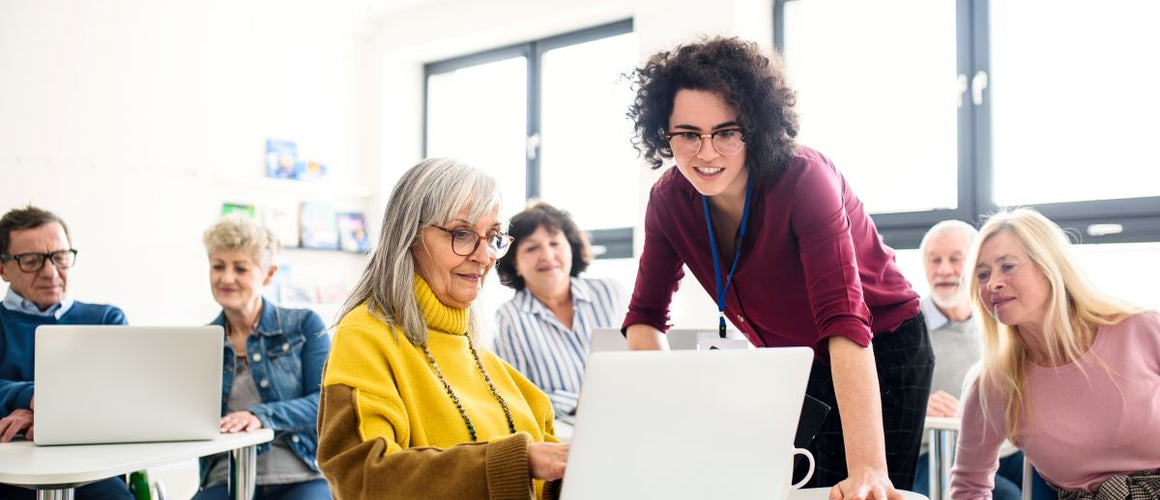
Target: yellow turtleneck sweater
{"points": [[388, 429]]}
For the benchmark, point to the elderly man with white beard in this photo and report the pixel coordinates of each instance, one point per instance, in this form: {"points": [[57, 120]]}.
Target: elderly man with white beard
{"points": [[956, 342]]}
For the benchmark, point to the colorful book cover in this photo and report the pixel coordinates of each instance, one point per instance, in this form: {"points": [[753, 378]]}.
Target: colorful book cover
{"points": [[318, 225], [231, 208], [352, 232], [309, 170], [281, 157]]}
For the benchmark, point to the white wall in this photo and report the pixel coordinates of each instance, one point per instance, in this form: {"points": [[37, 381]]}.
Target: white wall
{"points": [[136, 119]]}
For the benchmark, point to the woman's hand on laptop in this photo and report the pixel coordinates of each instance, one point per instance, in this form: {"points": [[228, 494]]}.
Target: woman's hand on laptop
{"points": [[16, 422], [865, 484], [548, 460], [240, 421]]}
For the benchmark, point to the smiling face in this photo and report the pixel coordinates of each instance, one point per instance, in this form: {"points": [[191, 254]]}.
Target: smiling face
{"points": [[943, 261], [455, 279], [49, 285], [236, 279], [710, 172], [544, 261], [1010, 285]]}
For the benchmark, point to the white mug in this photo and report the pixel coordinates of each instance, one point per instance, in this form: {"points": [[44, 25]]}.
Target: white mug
{"points": [[809, 473]]}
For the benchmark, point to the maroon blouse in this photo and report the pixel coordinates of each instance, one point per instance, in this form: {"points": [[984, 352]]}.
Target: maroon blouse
{"points": [[812, 265]]}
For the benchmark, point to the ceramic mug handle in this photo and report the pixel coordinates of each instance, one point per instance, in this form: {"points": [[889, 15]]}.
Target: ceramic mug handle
{"points": [[809, 473]]}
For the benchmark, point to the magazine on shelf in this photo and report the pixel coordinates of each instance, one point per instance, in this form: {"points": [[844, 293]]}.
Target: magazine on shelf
{"points": [[281, 158], [233, 208], [309, 170], [282, 219], [319, 225], [352, 232]]}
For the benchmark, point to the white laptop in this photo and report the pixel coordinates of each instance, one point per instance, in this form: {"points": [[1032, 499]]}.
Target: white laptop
{"points": [[123, 384], [680, 339], [687, 424]]}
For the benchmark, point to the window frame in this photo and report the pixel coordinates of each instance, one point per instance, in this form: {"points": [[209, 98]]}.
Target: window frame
{"points": [[616, 242], [1139, 217]]}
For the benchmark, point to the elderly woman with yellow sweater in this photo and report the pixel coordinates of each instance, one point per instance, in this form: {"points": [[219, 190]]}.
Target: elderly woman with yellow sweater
{"points": [[412, 404]]}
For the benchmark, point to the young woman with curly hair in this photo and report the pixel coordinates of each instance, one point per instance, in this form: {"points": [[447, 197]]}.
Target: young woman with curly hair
{"points": [[776, 236]]}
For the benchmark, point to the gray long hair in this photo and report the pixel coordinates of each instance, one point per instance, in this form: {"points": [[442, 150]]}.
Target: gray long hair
{"points": [[432, 192]]}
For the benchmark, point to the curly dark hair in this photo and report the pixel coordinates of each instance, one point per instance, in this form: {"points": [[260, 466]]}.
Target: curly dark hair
{"points": [[747, 78], [540, 214]]}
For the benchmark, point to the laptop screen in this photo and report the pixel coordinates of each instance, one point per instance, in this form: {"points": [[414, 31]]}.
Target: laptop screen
{"points": [[686, 424], [118, 384]]}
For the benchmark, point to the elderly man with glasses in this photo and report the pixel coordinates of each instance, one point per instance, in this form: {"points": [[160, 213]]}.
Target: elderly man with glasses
{"points": [[35, 257]]}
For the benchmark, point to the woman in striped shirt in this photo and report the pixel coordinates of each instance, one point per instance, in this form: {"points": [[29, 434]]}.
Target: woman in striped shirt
{"points": [[545, 328]]}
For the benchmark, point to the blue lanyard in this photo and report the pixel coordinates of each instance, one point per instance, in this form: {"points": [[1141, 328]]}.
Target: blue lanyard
{"points": [[721, 290]]}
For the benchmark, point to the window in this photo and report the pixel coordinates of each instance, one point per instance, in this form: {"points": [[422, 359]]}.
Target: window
{"points": [[475, 114], [947, 109], [547, 118]]}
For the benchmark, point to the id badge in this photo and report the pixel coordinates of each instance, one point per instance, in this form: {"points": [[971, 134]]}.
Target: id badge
{"points": [[709, 341]]}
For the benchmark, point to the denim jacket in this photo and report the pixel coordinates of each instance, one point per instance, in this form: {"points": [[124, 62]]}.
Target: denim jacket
{"points": [[286, 354]]}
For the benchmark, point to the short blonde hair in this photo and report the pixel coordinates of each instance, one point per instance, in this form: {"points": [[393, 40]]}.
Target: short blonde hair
{"points": [[1075, 310], [241, 232]]}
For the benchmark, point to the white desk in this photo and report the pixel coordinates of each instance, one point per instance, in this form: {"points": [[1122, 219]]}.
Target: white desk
{"points": [[824, 494], [943, 433], [54, 471]]}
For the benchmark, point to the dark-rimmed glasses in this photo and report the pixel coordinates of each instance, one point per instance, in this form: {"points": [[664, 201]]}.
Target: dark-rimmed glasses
{"points": [[465, 242], [727, 141], [33, 262]]}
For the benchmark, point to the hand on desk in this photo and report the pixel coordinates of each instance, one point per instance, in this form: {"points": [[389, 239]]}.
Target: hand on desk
{"points": [[548, 460], [240, 421], [942, 404], [16, 422], [865, 485]]}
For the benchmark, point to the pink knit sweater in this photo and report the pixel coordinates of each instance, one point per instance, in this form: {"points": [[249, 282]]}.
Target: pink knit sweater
{"points": [[1076, 430]]}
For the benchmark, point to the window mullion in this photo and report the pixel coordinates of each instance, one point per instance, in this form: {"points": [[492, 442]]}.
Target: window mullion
{"points": [[982, 181], [533, 145]]}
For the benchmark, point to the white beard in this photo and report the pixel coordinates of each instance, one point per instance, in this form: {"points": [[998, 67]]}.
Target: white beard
{"points": [[953, 301]]}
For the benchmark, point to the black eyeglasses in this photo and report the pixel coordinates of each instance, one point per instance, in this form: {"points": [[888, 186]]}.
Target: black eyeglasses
{"points": [[33, 262], [465, 242], [727, 142]]}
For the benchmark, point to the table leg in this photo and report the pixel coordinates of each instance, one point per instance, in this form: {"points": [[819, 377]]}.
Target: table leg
{"points": [[61, 494], [935, 469], [946, 457], [242, 468]]}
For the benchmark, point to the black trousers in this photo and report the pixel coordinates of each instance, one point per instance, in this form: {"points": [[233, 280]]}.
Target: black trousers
{"points": [[905, 361]]}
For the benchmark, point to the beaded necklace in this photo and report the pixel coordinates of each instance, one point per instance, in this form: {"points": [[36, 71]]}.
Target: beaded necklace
{"points": [[455, 399]]}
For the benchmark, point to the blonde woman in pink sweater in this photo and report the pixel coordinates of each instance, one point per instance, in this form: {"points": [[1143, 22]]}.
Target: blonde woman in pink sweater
{"points": [[1069, 375]]}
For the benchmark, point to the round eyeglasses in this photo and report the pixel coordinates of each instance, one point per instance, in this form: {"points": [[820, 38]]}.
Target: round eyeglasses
{"points": [[465, 242], [33, 262], [727, 142]]}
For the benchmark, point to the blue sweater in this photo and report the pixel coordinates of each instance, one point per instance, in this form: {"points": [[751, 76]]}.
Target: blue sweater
{"points": [[17, 346]]}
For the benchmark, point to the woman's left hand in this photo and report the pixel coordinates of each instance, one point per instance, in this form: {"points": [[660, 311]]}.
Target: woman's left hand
{"points": [[865, 485], [240, 421]]}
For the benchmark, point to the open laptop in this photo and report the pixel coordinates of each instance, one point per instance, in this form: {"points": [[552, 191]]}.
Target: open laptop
{"points": [[680, 339], [686, 424], [124, 384]]}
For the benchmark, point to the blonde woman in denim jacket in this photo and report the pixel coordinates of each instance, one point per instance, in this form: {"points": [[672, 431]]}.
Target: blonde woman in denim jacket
{"points": [[271, 367]]}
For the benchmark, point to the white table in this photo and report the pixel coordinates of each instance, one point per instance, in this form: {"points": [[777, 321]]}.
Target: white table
{"points": [[824, 494], [943, 433], [54, 471]]}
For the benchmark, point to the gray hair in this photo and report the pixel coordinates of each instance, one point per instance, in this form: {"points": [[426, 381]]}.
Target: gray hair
{"points": [[429, 193], [241, 232], [968, 231]]}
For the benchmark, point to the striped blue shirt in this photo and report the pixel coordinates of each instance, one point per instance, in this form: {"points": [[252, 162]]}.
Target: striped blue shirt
{"points": [[537, 344]]}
